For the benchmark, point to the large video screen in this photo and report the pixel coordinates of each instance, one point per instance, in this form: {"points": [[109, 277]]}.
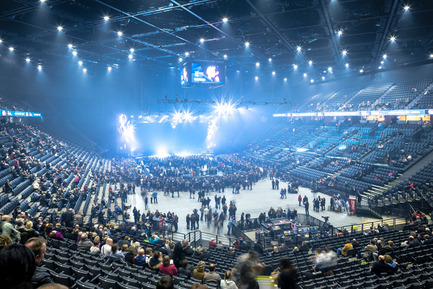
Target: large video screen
{"points": [[207, 73]]}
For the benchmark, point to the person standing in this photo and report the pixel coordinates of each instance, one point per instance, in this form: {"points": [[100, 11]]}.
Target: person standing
{"points": [[300, 200], [230, 226], [307, 206]]}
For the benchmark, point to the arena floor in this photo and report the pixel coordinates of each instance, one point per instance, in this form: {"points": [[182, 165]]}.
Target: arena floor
{"points": [[260, 199]]}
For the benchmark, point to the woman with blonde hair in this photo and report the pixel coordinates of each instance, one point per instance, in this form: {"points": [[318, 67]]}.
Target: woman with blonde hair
{"points": [[227, 283], [198, 272]]}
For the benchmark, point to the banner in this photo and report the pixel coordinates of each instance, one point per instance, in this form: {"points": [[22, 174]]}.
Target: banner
{"points": [[14, 113], [352, 205]]}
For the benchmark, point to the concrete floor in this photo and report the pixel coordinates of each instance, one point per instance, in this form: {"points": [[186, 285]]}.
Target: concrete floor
{"points": [[260, 199]]}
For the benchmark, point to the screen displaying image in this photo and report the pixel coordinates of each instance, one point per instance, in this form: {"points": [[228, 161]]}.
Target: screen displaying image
{"points": [[207, 73], [184, 75]]}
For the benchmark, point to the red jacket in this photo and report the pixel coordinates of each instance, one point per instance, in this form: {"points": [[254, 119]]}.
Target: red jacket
{"points": [[169, 270]]}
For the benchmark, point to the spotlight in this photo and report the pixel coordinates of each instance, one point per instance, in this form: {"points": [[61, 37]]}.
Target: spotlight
{"points": [[256, 78], [340, 32], [273, 72], [74, 53], [431, 55], [298, 48], [225, 19], [247, 44], [130, 56], [39, 67], [186, 54], [180, 59], [27, 60], [119, 33], [59, 28], [329, 69], [201, 40], [385, 56], [310, 62], [109, 68], [70, 45], [225, 56], [132, 50], [393, 38], [257, 64], [84, 70], [361, 70], [347, 65], [344, 52], [11, 49], [380, 67], [305, 75], [80, 63], [270, 59], [106, 18], [406, 7], [1, 40], [43, 1], [295, 66], [311, 80], [285, 79], [382, 62], [323, 78]]}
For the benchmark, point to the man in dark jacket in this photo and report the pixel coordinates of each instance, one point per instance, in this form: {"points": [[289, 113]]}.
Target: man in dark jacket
{"points": [[178, 253], [39, 248]]}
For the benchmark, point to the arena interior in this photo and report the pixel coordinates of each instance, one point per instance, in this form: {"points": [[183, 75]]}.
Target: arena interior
{"points": [[216, 144]]}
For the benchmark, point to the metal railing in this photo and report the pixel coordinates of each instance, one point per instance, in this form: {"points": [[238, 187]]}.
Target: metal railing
{"points": [[392, 223]]}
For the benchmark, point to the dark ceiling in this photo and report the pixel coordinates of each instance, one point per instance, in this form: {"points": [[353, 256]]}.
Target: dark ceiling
{"points": [[162, 31]]}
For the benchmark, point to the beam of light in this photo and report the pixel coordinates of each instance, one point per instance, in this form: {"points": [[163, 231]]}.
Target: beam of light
{"points": [[161, 152], [310, 62], [106, 18], [225, 19], [298, 48], [247, 44]]}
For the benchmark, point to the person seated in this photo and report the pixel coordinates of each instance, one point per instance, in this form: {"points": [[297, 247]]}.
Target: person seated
{"points": [[184, 270], [343, 251], [212, 243], [198, 272], [140, 259], [385, 264], [227, 283], [153, 239], [167, 268], [155, 261], [212, 276]]}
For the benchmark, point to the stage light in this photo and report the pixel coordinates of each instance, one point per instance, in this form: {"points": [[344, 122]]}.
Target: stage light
{"points": [[130, 56], [330, 69], [180, 59], [380, 67], [1, 41], [270, 59], [323, 78], [311, 80], [298, 48], [109, 68], [162, 153], [186, 54], [39, 67], [382, 62], [285, 79], [43, 1], [344, 52], [295, 66], [59, 28], [70, 46], [119, 33], [305, 75], [132, 50], [225, 56], [106, 18], [74, 53], [201, 40], [340, 32], [27, 60], [224, 108], [310, 62], [273, 72], [11, 49], [347, 65], [393, 38], [361, 70], [257, 64], [80, 63], [247, 44], [256, 78], [431, 55], [225, 19], [406, 7], [84, 70]]}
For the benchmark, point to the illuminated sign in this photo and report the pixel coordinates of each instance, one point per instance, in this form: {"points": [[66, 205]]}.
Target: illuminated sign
{"points": [[20, 113]]}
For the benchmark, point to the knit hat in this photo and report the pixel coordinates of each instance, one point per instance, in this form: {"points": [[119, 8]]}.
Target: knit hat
{"points": [[200, 266]]}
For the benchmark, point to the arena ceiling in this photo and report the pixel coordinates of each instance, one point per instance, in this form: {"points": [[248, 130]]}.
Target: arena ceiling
{"points": [[162, 31]]}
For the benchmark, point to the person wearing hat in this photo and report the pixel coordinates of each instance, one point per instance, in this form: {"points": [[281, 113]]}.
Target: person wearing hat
{"points": [[212, 243], [198, 272]]}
